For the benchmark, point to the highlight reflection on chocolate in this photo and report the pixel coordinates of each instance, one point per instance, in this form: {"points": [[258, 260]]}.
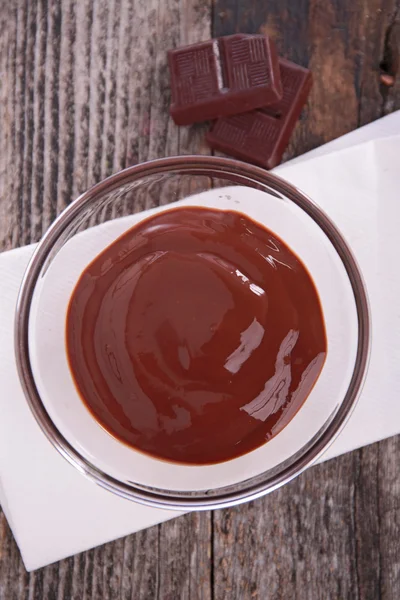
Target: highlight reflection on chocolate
{"points": [[196, 336]]}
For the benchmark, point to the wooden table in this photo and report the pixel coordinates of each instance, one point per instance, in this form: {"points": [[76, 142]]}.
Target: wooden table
{"points": [[85, 92]]}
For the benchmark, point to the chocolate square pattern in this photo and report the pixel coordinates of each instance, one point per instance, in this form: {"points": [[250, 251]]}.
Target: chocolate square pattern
{"points": [[261, 136], [222, 77]]}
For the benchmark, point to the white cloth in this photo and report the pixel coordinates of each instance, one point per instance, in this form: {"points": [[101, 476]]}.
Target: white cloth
{"points": [[55, 512]]}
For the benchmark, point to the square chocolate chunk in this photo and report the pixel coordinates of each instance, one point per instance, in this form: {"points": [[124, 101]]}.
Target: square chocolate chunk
{"points": [[222, 77], [261, 136]]}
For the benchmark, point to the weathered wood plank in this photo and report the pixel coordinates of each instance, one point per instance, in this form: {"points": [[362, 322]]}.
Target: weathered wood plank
{"points": [[388, 476], [390, 64], [325, 535], [184, 561], [85, 92], [296, 543], [342, 43]]}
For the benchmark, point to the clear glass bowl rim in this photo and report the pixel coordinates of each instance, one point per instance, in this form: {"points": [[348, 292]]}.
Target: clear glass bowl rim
{"points": [[241, 173]]}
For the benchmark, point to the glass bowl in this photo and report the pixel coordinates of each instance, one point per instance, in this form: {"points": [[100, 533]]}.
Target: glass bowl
{"points": [[97, 218]]}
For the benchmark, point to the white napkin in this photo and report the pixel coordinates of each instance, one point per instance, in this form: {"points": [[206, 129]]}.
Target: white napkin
{"points": [[381, 128], [360, 189], [55, 512]]}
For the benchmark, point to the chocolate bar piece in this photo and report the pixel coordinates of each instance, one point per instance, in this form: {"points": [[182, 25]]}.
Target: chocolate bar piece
{"points": [[261, 136], [223, 77]]}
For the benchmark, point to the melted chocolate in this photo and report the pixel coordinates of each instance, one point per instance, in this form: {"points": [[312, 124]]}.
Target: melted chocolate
{"points": [[196, 336]]}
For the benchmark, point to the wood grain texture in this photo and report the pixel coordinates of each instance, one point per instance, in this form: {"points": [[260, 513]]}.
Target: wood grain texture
{"points": [[84, 91], [324, 534], [342, 42]]}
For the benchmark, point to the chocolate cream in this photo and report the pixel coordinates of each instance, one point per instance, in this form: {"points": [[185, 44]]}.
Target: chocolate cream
{"points": [[196, 336]]}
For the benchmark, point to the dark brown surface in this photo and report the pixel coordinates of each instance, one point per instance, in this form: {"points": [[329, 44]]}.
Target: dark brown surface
{"points": [[333, 534], [222, 77], [196, 336], [262, 136]]}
